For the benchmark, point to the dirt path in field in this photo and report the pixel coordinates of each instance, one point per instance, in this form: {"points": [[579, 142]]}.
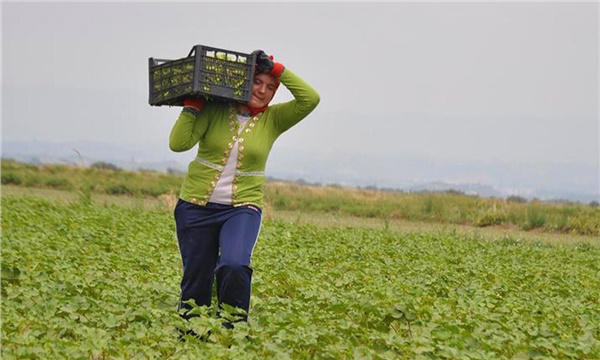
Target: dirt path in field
{"points": [[167, 202]]}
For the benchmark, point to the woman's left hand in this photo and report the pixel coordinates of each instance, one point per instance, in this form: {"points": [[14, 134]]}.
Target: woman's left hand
{"points": [[266, 65]]}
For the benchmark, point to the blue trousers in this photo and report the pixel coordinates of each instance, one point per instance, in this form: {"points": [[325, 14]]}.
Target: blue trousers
{"points": [[216, 241]]}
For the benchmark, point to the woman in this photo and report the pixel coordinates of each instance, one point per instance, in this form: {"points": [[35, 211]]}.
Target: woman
{"points": [[218, 214]]}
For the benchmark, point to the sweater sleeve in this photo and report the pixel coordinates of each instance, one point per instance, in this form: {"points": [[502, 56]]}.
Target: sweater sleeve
{"points": [[306, 99], [187, 131]]}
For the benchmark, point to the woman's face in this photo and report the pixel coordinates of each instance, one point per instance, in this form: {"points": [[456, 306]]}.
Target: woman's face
{"points": [[263, 90]]}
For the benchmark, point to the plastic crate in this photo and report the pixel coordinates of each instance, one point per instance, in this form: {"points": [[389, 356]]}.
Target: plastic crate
{"points": [[208, 72]]}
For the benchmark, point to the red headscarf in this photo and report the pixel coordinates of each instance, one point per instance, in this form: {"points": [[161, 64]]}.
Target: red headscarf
{"points": [[275, 73], [254, 110]]}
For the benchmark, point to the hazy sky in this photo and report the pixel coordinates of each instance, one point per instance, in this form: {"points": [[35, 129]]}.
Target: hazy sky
{"points": [[509, 82]]}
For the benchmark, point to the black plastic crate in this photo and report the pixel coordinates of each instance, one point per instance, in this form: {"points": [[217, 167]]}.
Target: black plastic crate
{"points": [[207, 72]]}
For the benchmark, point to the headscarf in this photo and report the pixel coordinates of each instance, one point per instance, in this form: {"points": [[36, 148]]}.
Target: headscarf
{"points": [[254, 110]]}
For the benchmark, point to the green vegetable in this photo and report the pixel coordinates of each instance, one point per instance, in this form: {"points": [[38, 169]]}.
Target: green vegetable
{"points": [[175, 78], [83, 281]]}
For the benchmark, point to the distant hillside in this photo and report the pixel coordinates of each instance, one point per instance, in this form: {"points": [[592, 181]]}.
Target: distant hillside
{"points": [[87, 153], [573, 182]]}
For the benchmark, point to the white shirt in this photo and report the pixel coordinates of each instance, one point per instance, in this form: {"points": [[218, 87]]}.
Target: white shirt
{"points": [[222, 193]]}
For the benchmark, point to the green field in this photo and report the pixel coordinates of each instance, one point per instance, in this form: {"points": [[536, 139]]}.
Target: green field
{"points": [[451, 207], [90, 275]]}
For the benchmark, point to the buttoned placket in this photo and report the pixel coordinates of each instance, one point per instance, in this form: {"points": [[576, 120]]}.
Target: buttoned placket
{"points": [[233, 154]]}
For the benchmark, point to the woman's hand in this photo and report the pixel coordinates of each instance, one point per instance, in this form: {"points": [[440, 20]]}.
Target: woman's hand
{"points": [[266, 65], [196, 103]]}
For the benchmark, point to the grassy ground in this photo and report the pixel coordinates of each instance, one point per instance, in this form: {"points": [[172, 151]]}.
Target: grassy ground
{"points": [[503, 233], [323, 219], [66, 197], [450, 207]]}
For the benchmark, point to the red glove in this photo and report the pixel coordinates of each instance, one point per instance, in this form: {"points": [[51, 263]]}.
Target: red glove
{"points": [[196, 103], [277, 69]]}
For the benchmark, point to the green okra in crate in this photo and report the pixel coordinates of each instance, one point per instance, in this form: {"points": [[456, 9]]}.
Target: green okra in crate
{"points": [[208, 72]]}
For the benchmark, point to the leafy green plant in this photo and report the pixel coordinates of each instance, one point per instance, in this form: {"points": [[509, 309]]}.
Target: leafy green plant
{"points": [[535, 218], [584, 224], [119, 189], [516, 199], [85, 194], [490, 217], [102, 282], [450, 207], [58, 183], [103, 165], [11, 179]]}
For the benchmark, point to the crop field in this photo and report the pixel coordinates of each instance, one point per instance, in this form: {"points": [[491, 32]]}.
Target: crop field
{"points": [[451, 207], [89, 280]]}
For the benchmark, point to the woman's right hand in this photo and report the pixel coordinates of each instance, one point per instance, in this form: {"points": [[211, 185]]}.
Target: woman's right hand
{"points": [[196, 103]]}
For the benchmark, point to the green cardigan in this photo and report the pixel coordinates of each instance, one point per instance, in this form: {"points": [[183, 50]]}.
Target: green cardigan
{"points": [[215, 130]]}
